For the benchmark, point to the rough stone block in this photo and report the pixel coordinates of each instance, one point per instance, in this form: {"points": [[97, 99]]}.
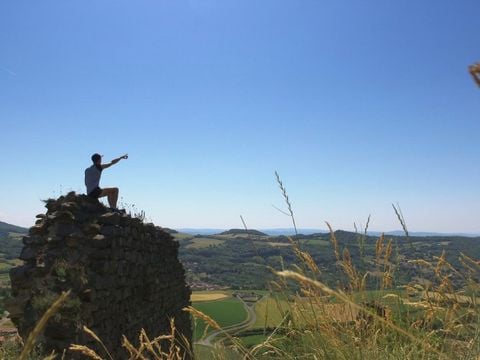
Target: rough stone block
{"points": [[28, 253], [110, 219], [123, 275]]}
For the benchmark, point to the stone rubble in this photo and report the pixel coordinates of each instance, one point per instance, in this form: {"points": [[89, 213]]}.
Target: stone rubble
{"points": [[124, 276]]}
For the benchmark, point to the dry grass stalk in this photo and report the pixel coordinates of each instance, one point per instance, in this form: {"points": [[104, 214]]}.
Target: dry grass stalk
{"points": [[304, 257], [334, 241], [350, 271], [200, 315], [147, 349], [54, 308], [361, 238], [401, 219], [325, 289], [287, 201], [53, 356], [134, 353], [379, 246], [214, 325], [249, 237], [85, 350], [97, 339]]}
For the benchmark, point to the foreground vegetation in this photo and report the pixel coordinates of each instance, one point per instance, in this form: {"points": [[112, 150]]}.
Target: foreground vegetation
{"points": [[358, 297], [302, 317]]}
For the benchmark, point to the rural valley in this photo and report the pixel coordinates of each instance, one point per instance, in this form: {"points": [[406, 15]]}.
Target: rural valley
{"points": [[234, 279]]}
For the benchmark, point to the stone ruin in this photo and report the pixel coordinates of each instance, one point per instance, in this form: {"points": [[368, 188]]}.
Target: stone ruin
{"points": [[124, 276]]}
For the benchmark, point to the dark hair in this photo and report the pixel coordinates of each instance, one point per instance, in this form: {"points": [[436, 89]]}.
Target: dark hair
{"points": [[96, 157]]}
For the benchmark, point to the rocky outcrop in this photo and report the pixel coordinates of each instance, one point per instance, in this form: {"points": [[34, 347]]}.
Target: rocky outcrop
{"points": [[124, 275]]}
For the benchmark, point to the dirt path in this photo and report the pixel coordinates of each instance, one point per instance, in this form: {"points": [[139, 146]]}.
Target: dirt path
{"points": [[232, 329]]}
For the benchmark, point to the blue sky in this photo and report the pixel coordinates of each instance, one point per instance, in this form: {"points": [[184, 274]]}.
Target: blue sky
{"points": [[356, 104]]}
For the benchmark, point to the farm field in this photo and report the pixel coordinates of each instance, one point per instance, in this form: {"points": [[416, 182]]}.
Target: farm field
{"points": [[4, 280], [315, 242], [252, 340], [203, 352], [225, 312], [199, 243], [200, 296], [278, 244], [269, 312]]}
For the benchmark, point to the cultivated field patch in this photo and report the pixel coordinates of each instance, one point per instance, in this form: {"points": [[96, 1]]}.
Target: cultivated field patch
{"points": [[199, 296], [199, 243], [225, 312], [270, 312], [278, 244]]}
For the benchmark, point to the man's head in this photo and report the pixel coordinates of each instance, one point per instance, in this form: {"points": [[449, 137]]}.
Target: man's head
{"points": [[97, 159]]}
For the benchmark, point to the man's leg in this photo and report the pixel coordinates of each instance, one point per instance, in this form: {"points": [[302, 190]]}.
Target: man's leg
{"points": [[112, 194]]}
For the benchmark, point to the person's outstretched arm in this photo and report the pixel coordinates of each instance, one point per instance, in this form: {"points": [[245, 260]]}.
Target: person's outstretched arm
{"points": [[114, 161]]}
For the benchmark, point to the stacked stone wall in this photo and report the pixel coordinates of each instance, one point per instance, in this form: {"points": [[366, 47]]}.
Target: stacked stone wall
{"points": [[124, 276]]}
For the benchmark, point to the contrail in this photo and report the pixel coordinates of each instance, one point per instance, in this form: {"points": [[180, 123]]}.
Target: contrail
{"points": [[8, 71]]}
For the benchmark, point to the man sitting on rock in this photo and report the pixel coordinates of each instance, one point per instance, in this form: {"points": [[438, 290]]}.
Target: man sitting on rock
{"points": [[92, 180]]}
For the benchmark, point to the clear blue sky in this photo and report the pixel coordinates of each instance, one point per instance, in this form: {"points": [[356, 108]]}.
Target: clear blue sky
{"points": [[357, 104]]}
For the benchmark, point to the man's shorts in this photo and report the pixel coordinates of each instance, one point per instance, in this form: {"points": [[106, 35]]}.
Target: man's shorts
{"points": [[95, 193]]}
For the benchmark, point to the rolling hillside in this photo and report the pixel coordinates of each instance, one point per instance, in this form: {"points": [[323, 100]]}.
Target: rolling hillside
{"points": [[10, 240], [244, 262]]}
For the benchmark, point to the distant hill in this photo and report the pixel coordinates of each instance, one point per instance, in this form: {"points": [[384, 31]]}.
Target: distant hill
{"points": [[11, 240], [199, 231], [425, 233], [6, 228], [242, 264], [243, 232], [291, 231], [271, 232], [170, 231]]}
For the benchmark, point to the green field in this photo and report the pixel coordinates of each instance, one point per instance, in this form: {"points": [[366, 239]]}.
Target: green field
{"points": [[5, 265], [206, 353], [199, 243], [315, 242], [225, 312], [252, 340], [269, 312]]}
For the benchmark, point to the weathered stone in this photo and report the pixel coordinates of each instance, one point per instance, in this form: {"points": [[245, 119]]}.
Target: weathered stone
{"points": [[27, 240], [69, 205], [16, 306], [36, 240], [110, 219], [100, 241], [61, 229], [72, 242], [28, 253], [110, 230], [51, 205], [91, 229], [19, 275], [123, 276], [37, 230], [62, 215]]}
